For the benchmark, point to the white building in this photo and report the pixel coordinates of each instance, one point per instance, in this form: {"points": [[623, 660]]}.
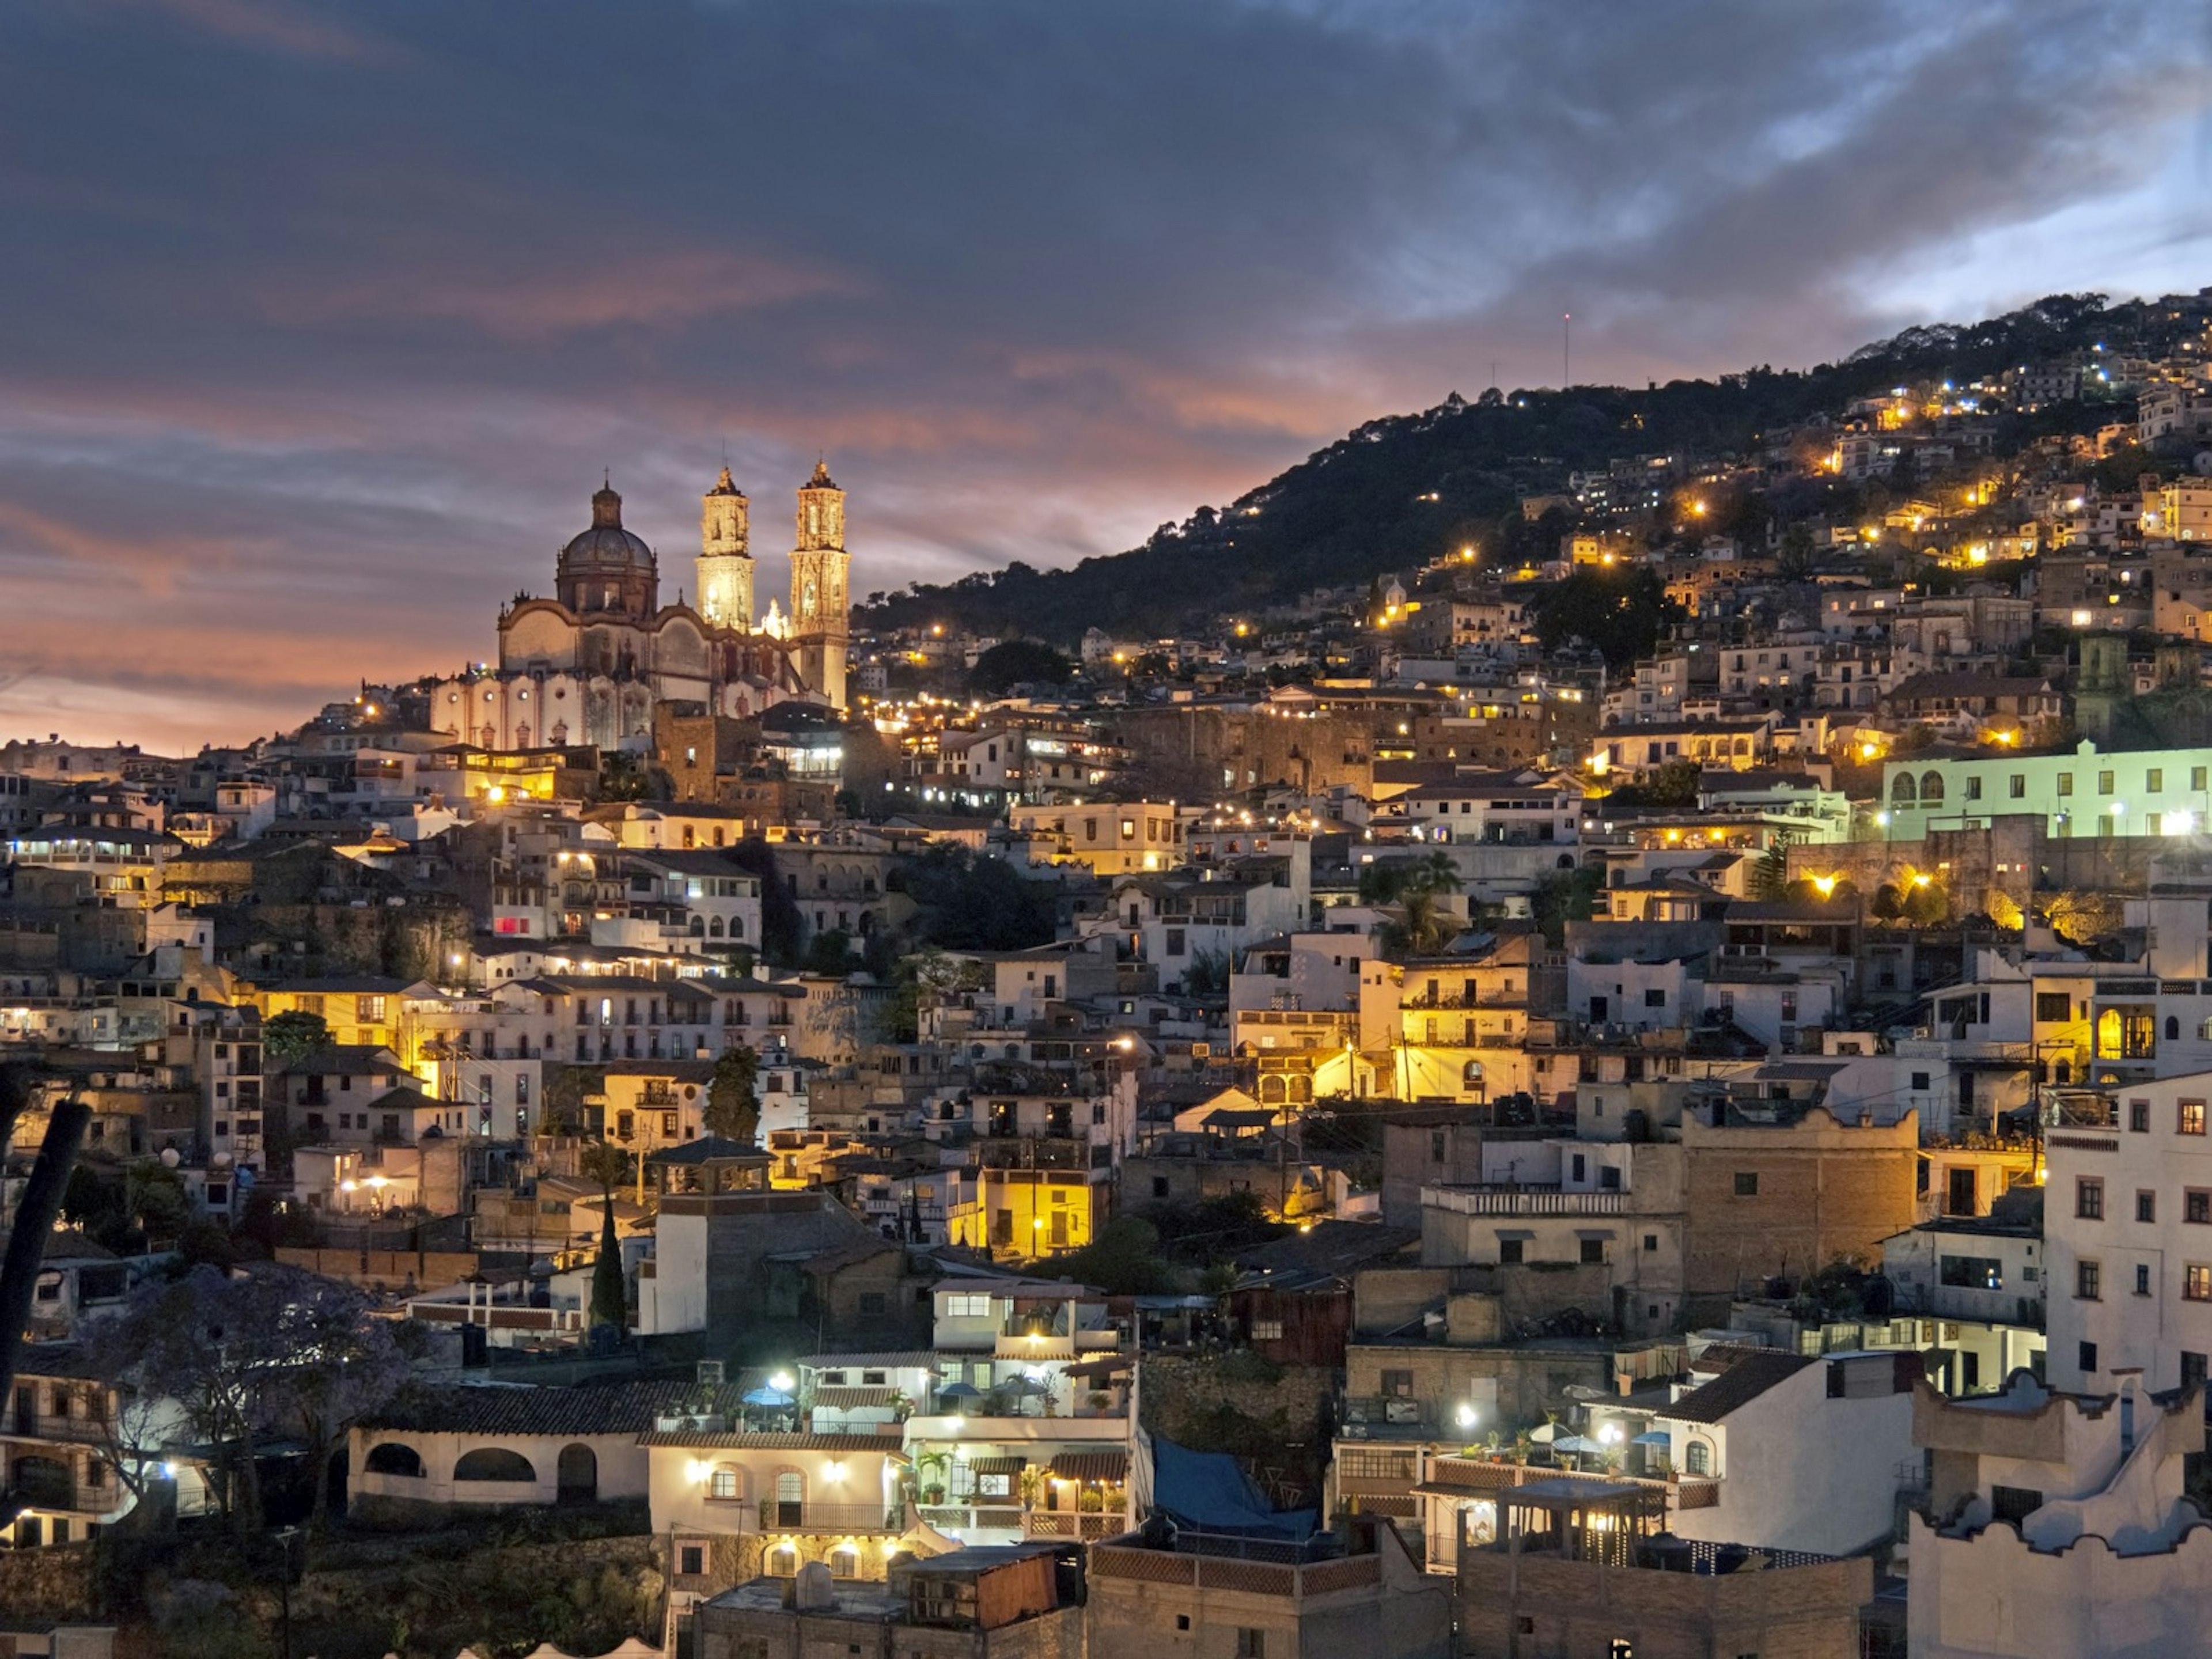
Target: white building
{"points": [[2055, 1527], [2128, 1222], [1808, 1453]]}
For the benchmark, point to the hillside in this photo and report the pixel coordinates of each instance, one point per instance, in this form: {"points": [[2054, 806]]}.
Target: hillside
{"points": [[1405, 488]]}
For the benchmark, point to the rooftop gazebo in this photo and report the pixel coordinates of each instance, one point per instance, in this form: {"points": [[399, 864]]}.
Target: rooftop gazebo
{"points": [[711, 1163], [1602, 1521]]}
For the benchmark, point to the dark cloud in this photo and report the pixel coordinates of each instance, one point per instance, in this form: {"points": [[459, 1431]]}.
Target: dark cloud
{"points": [[324, 317]]}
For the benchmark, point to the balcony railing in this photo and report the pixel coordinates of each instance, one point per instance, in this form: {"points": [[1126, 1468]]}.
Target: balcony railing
{"points": [[777, 1515], [958, 1518], [1523, 1200], [1089, 1527]]}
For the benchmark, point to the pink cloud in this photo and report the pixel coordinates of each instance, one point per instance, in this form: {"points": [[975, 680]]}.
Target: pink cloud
{"points": [[654, 290]]}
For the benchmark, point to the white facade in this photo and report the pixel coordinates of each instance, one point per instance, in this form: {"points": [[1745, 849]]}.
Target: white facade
{"points": [[2128, 1221], [2056, 1528], [1813, 1462]]}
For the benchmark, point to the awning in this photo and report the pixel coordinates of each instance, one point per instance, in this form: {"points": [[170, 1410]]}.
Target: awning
{"points": [[1594, 1232], [1517, 1232], [998, 1465], [1091, 1465], [1112, 1366], [844, 1400]]}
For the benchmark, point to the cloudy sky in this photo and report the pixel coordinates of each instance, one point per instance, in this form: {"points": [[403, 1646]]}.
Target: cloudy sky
{"points": [[318, 322]]}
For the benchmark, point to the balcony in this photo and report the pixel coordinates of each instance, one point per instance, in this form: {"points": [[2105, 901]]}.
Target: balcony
{"points": [[1033, 1152], [961, 1519], [776, 1516], [1088, 1527], [1522, 1200]]}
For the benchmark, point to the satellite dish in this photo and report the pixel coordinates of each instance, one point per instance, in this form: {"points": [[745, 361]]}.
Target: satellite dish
{"points": [[169, 1158], [221, 1160]]}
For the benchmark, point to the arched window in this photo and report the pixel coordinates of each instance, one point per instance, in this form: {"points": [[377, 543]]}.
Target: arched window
{"points": [[1901, 791], [698, 928], [737, 926], [727, 1483], [714, 928], [1931, 788], [1272, 1089], [494, 1463], [2172, 1029], [844, 1562], [783, 1562], [394, 1458], [1698, 1458]]}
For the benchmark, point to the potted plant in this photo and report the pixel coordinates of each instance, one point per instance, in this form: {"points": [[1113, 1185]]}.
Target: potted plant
{"points": [[930, 1468], [1032, 1483], [1522, 1441]]}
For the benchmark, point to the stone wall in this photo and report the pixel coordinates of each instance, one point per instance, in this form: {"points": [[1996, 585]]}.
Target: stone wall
{"points": [[1275, 1417], [57, 1583]]}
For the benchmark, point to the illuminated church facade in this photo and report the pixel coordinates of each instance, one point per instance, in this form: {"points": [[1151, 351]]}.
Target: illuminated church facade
{"points": [[588, 666]]}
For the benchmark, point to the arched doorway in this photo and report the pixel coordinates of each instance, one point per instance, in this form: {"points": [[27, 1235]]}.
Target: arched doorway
{"points": [[578, 1475]]}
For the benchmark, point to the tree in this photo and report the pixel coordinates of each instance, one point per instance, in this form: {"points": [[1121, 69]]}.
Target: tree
{"points": [[971, 901], [567, 1089], [781, 926], [288, 1038], [733, 1096], [1426, 924], [610, 1302], [607, 1163], [1207, 974], [95, 1207], [1620, 614], [157, 1201], [2082, 917], [212, 1344], [1794, 561], [1018, 662], [340, 1362], [829, 952], [921, 980], [1674, 784], [1122, 1258]]}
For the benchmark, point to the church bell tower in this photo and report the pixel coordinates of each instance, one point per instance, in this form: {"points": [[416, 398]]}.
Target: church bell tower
{"points": [[820, 568], [726, 563]]}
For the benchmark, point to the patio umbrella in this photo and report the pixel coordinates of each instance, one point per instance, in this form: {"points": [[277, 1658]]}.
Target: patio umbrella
{"points": [[765, 1396], [1653, 1437], [1025, 1385], [1576, 1444], [960, 1391]]}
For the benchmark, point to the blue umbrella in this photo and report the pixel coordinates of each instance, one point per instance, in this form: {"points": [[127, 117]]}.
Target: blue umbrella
{"points": [[769, 1397], [959, 1391], [1653, 1437]]}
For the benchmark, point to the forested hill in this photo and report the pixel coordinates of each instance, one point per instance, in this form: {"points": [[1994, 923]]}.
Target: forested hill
{"points": [[1405, 488]]}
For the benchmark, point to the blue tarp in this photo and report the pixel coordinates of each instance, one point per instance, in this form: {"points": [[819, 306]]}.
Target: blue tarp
{"points": [[1209, 1491]]}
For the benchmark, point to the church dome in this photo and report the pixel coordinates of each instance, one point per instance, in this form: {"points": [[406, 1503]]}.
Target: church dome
{"points": [[606, 546]]}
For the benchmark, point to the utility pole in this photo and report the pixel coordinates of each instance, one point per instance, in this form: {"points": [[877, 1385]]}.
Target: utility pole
{"points": [[1566, 349]]}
